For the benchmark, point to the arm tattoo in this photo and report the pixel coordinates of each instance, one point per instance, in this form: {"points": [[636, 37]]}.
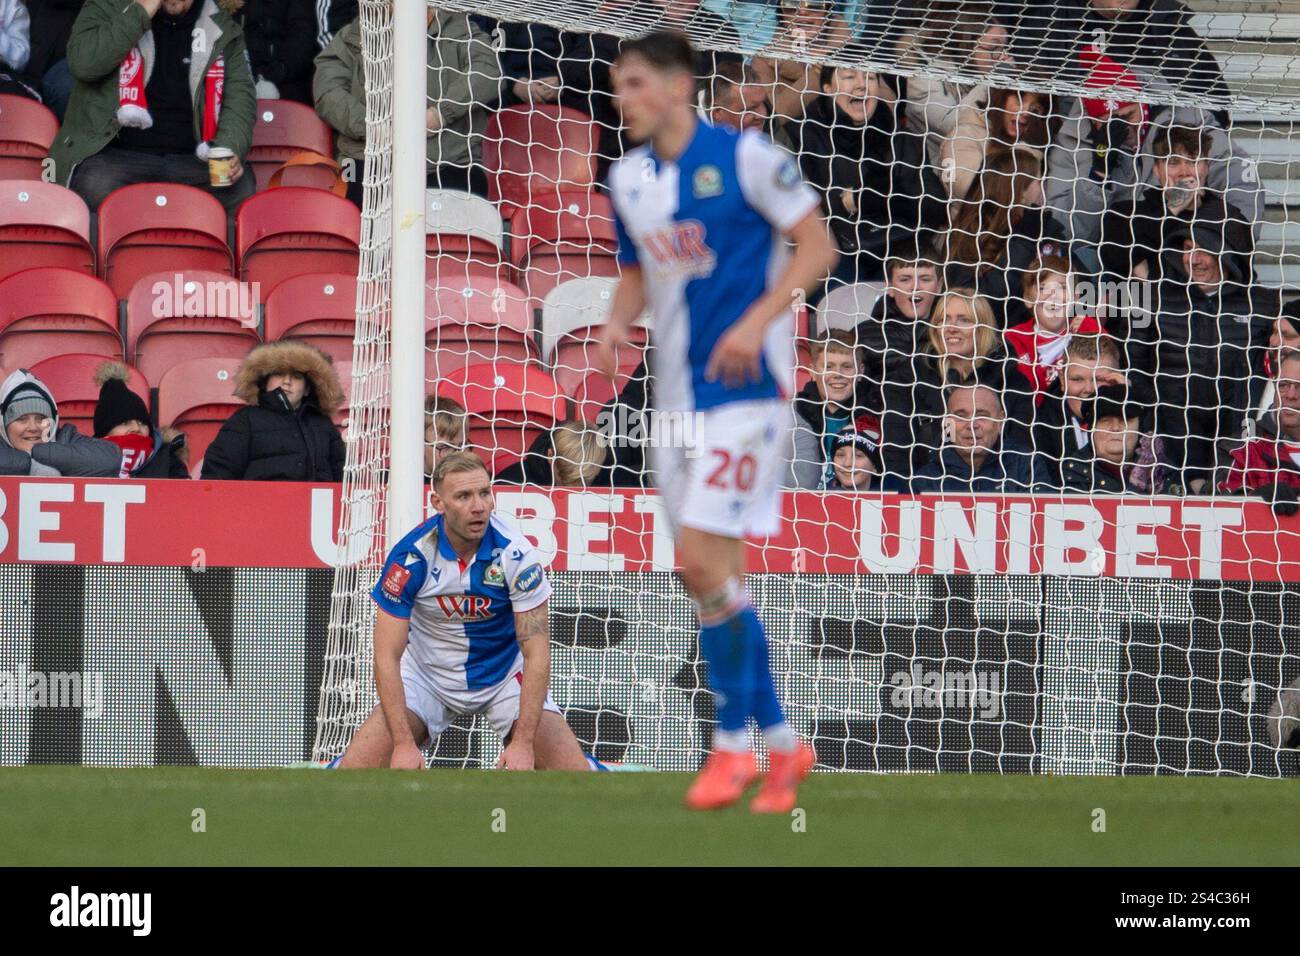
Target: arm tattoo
{"points": [[530, 624]]}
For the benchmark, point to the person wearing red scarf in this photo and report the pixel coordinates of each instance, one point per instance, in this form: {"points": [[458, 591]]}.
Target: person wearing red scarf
{"points": [[160, 84], [122, 417]]}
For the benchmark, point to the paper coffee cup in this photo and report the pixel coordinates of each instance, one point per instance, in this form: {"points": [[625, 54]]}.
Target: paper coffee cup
{"points": [[220, 161]]}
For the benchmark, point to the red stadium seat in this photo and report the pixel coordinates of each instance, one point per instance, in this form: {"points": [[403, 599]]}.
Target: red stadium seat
{"points": [[71, 380], [320, 309], [27, 129], [342, 417], [572, 315], [282, 129], [537, 150], [463, 237], [294, 231], [46, 312], [42, 224], [144, 225], [596, 391], [175, 316], [557, 238], [197, 396], [475, 320], [508, 404], [311, 170]]}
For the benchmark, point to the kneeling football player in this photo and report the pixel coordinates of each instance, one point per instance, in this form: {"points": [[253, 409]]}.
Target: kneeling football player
{"points": [[463, 629]]}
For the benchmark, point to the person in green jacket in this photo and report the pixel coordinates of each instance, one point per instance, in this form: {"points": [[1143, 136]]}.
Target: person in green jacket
{"points": [[464, 79], [159, 84]]}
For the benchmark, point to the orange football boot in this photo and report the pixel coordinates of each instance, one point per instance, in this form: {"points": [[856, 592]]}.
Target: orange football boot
{"points": [[723, 780], [780, 788]]}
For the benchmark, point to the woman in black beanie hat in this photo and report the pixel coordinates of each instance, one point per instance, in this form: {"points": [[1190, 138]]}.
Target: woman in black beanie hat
{"points": [[122, 418]]}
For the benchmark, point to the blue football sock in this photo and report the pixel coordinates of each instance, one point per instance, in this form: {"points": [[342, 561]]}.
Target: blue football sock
{"points": [[731, 671], [764, 705]]}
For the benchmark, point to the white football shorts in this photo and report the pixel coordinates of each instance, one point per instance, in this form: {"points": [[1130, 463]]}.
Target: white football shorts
{"points": [[438, 708], [720, 470]]}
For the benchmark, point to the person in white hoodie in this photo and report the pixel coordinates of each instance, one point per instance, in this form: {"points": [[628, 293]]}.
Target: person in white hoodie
{"points": [[15, 47], [33, 443]]}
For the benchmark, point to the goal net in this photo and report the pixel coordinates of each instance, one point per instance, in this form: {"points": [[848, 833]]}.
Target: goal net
{"points": [[1046, 422]]}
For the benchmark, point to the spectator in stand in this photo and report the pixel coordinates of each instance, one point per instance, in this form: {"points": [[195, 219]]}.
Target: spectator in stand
{"points": [[1267, 462], [1055, 315], [1061, 420], [977, 458], [47, 69], [1153, 38], [121, 417], [875, 186], [1006, 119], [1135, 232], [855, 457], [964, 346], [281, 38], [806, 31], [836, 394], [462, 81], [1107, 145], [285, 432], [33, 443], [142, 111], [1000, 230], [1205, 351], [444, 431], [954, 37], [898, 327], [15, 49], [736, 99], [572, 454], [1124, 456]]}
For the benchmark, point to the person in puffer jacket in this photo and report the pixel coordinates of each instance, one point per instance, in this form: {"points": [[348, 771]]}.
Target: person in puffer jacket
{"points": [[285, 433], [121, 417], [33, 443]]}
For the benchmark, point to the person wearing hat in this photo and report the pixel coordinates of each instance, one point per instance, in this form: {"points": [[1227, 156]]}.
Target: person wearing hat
{"points": [[33, 442], [1123, 456], [285, 433], [121, 417], [855, 459]]}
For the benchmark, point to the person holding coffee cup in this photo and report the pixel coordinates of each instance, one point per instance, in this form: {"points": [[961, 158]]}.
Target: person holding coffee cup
{"points": [[163, 93]]}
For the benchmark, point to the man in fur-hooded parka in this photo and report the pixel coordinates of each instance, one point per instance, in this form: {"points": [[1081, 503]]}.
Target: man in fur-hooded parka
{"points": [[285, 433]]}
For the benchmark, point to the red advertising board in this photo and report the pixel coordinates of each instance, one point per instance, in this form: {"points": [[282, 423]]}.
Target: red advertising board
{"points": [[254, 524]]}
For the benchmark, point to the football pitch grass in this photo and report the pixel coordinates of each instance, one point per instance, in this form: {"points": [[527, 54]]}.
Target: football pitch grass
{"points": [[76, 816]]}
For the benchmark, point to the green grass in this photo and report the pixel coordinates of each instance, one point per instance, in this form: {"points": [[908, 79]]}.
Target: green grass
{"points": [[81, 816]]}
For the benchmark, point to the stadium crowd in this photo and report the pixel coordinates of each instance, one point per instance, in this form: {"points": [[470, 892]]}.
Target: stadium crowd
{"points": [[1035, 292]]}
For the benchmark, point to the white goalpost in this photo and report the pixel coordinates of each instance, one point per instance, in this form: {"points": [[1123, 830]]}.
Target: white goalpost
{"points": [[1062, 628]]}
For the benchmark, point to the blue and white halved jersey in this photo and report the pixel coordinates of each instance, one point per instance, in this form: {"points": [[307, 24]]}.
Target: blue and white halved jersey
{"points": [[706, 231], [462, 619]]}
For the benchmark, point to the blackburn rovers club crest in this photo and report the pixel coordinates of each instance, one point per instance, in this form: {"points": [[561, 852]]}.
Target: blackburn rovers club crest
{"points": [[708, 182], [494, 574]]}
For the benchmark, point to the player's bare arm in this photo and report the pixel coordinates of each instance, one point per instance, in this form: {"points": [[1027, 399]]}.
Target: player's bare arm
{"points": [[533, 632], [629, 302], [391, 635], [735, 358]]}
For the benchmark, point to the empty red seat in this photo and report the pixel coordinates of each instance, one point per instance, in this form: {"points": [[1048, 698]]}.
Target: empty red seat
{"points": [[508, 404], [475, 320], [281, 130], [42, 224], [567, 236], [537, 150], [572, 315], [294, 231], [596, 391], [145, 225], [49, 311], [27, 129], [197, 396], [463, 236], [71, 380], [175, 316], [320, 309]]}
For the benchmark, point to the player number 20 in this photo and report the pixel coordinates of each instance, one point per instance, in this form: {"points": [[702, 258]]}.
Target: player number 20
{"points": [[724, 475]]}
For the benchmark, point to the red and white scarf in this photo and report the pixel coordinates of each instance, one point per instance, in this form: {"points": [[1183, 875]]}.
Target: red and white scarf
{"points": [[133, 104]]}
